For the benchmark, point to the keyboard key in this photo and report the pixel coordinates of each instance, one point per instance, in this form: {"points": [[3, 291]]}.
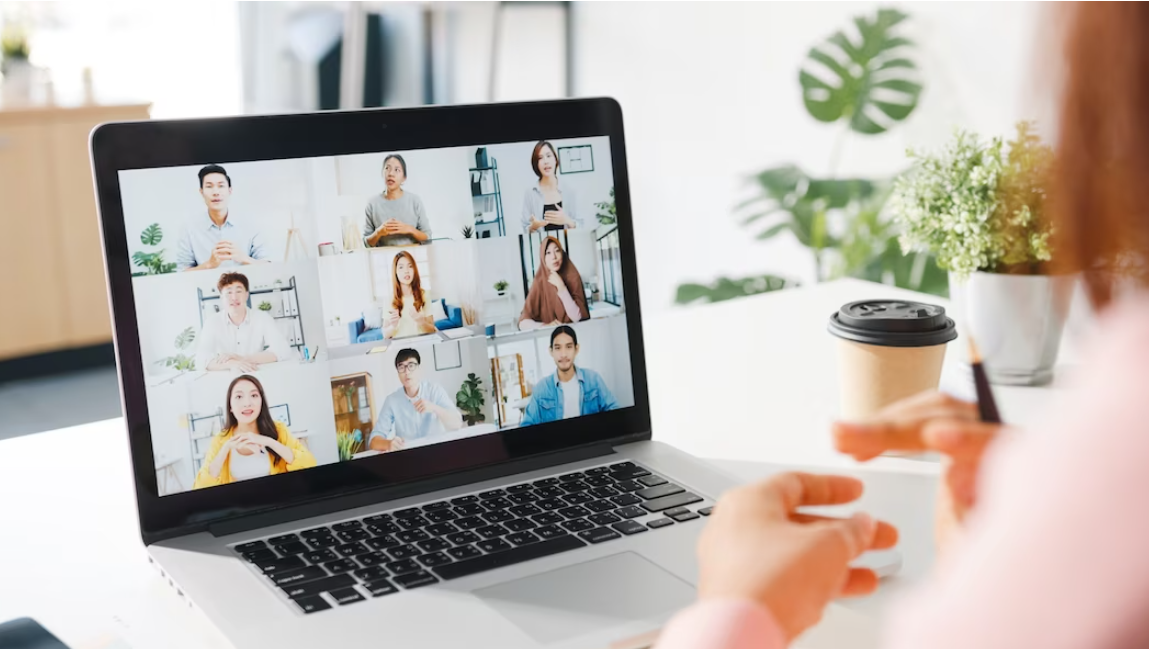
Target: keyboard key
{"points": [[320, 556], [545, 482], [522, 538], [312, 604], [629, 474], [319, 542], [372, 558], [380, 587], [346, 596], [470, 509], [434, 507], [491, 531], [496, 503], [604, 492], [464, 552], [377, 518], [433, 545], [599, 506], [315, 531], [706, 511], [550, 532], [519, 524], [413, 522], [463, 538], [465, 500], [470, 523], [675, 511], [570, 477], [410, 512], [372, 573], [353, 535], [630, 512], [509, 557], [660, 522], [598, 535], [548, 492], [295, 575], [599, 481], [623, 465], [578, 525], [416, 580], [383, 542], [670, 502], [650, 493], [404, 552], [551, 504], [519, 488], [605, 518], [290, 548], [434, 559], [500, 516], [688, 516], [578, 498], [574, 511], [402, 567], [493, 545], [629, 527], [412, 536], [283, 563], [340, 565], [522, 498], [351, 549], [252, 546], [283, 538], [547, 518], [628, 486], [493, 493], [652, 480], [626, 500], [442, 529], [441, 516], [525, 510], [316, 586], [346, 525], [384, 527], [264, 554], [574, 487], [598, 470]]}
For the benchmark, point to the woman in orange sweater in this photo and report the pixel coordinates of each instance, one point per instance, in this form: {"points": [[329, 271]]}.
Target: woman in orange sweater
{"points": [[252, 444]]}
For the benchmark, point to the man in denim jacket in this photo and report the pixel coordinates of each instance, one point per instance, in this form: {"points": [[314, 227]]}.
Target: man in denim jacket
{"points": [[571, 391]]}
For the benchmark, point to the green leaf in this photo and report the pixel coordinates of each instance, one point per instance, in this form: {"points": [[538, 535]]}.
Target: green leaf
{"points": [[152, 235], [775, 230], [724, 289], [833, 90], [185, 338]]}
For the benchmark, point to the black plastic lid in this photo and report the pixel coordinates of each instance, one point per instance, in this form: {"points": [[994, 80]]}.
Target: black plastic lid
{"points": [[893, 323]]}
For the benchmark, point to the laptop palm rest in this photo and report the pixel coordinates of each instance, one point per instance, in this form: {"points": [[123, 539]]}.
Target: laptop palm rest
{"points": [[570, 602]]}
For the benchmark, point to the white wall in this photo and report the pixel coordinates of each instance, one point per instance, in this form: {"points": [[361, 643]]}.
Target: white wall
{"points": [[345, 282], [166, 406], [264, 196], [456, 280], [499, 260]]}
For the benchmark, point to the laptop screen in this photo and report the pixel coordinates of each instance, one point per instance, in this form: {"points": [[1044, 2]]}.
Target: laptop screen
{"points": [[302, 312]]}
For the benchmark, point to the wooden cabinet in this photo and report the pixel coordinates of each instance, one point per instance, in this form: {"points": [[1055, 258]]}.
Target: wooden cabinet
{"points": [[353, 399], [54, 295]]}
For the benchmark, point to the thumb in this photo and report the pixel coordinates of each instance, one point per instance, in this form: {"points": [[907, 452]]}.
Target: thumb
{"points": [[852, 536]]}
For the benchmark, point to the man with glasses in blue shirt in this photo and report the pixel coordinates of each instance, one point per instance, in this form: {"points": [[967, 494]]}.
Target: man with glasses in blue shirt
{"points": [[417, 409], [571, 391]]}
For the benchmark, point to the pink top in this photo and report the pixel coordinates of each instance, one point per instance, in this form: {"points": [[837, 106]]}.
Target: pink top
{"points": [[1056, 556]]}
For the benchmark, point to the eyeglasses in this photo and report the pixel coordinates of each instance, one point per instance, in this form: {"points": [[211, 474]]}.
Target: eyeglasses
{"points": [[406, 368]]}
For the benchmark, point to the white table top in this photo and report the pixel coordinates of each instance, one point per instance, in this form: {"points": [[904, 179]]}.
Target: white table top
{"points": [[72, 558]]}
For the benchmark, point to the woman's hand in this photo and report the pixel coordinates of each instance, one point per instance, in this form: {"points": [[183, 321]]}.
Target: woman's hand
{"points": [[757, 547], [536, 224], [554, 280], [392, 319], [426, 322], [558, 217], [930, 421]]}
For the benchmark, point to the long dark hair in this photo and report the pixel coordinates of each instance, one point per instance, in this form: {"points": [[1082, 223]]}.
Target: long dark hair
{"points": [[264, 423], [416, 285]]}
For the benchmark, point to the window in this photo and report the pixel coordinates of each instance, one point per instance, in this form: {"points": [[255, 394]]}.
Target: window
{"points": [[610, 267]]}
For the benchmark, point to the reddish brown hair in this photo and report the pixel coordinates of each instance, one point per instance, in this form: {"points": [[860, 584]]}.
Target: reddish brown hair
{"points": [[416, 286], [1102, 224], [537, 153], [227, 279]]}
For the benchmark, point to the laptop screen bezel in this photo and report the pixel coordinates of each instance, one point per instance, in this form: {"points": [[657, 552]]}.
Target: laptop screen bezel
{"points": [[151, 144]]}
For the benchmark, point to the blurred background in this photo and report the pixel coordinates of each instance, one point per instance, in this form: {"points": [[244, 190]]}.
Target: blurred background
{"points": [[741, 163]]}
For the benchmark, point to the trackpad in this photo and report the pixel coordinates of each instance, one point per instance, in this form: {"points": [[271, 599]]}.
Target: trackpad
{"points": [[587, 597]]}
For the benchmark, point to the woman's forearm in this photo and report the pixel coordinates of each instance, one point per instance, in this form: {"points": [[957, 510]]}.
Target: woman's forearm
{"points": [[217, 462], [526, 324], [284, 451], [572, 309]]}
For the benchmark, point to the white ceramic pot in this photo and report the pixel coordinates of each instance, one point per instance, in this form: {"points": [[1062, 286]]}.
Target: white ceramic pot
{"points": [[1016, 321], [16, 89]]}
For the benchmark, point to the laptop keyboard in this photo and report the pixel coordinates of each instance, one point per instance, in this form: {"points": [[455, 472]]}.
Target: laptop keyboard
{"points": [[347, 562]]}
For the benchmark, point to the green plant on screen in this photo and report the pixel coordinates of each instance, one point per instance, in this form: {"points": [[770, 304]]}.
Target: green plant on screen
{"points": [[470, 400], [181, 361], [152, 263]]}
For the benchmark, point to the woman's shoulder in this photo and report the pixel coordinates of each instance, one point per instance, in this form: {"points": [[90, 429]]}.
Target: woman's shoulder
{"points": [[282, 430]]}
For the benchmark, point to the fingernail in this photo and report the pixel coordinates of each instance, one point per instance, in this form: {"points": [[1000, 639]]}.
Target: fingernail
{"points": [[866, 522]]}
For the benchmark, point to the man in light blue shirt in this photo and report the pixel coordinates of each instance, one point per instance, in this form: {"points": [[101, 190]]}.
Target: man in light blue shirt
{"points": [[217, 242], [571, 391], [416, 410]]}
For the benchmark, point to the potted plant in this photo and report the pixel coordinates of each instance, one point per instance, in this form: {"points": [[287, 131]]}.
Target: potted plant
{"points": [[182, 361], [979, 207], [14, 64], [501, 287], [152, 263], [265, 306], [470, 400]]}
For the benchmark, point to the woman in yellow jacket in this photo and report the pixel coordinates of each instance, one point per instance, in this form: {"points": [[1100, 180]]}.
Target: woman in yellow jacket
{"points": [[252, 444]]}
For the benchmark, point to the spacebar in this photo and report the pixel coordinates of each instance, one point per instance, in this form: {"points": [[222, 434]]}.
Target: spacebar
{"points": [[509, 557]]}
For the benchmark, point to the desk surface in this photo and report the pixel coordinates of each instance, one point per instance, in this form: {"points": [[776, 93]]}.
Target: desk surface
{"points": [[72, 556]]}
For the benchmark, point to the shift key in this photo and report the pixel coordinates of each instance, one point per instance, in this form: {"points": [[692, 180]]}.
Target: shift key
{"points": [[668, 502], [287, 577]]}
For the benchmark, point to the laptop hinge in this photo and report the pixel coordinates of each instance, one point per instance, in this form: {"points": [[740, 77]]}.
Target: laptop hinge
{"points": [[352, 500]]}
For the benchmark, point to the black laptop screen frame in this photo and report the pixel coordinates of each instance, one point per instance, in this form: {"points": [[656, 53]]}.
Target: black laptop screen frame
{"points": [[142, 145]]}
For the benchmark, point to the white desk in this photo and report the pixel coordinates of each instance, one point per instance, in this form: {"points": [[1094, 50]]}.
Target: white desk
{"points": [[71, 556]]}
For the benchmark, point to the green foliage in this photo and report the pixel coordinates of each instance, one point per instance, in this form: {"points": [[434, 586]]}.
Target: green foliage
{"points": [[181, 361], [470, 400], [501, 285], [348, 442], [152, 235], [727, 289], [265, 306], [607, 212], [14, 43], [976, 208], [468, 232], [869, 82], [152, 263]]}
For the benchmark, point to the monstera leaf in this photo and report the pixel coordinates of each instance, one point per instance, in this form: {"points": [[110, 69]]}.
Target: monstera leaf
{"points": [[723, 288], [152, 235], [865, 78]]}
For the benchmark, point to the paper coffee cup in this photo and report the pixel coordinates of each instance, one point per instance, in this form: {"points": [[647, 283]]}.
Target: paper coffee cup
{"points": [[888, 350]]}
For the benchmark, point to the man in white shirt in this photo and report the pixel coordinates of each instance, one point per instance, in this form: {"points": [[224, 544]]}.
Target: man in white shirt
{"points": [[239, 338], [219, 241]]}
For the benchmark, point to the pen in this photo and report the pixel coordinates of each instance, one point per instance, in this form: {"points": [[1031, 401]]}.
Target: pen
{"points": [[986, 405]]}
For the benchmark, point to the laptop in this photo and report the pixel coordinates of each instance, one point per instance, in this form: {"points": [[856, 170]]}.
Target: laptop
{"points": [[384, 379]]}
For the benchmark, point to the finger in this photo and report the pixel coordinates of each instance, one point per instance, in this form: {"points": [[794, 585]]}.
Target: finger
{"points": [[901, 431], [885, 535], [961, 480], [789, 491], [958, 438], [850, 536], [859, 582]]}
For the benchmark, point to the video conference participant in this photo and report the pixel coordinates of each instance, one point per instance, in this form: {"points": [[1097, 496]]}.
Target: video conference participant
{"points": [[252, 444], [217, 241], [571, 391], [239, 338], [417, 409], [546, 205], [556, 296], [410, 313], [395, 217]]}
